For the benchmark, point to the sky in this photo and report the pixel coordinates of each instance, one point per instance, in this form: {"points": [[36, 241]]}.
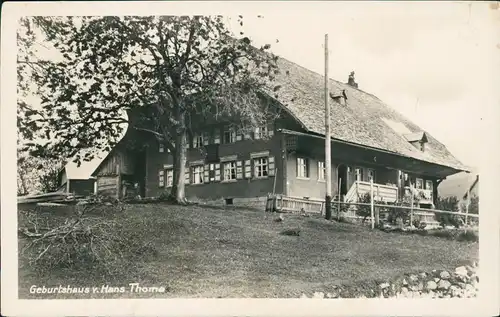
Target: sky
{"points": [[430, 62]]}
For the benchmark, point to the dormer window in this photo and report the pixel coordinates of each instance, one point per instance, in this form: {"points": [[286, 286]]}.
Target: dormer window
{"points": [[422, 146], [417, 139]]}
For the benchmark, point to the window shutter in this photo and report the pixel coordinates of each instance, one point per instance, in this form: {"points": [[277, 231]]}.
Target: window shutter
{"points": [[206, 174], [206, 138], [256, 134], [212, 172], [271, 166], [239, 169], [217, 137], [217, 172], [161, 178], [248, 169], [187, 175]]}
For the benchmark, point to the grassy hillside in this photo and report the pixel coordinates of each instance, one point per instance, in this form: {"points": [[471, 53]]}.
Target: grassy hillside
{"points": [[235, 252]]}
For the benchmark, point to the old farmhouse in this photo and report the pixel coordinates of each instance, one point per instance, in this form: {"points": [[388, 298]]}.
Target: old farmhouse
{"points": [[370, 141]]}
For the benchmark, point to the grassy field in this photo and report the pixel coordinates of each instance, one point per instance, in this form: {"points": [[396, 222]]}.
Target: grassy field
{"points": [[236, 252]]}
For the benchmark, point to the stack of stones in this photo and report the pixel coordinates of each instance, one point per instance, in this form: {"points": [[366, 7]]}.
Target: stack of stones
{"points": [[462, 283]]}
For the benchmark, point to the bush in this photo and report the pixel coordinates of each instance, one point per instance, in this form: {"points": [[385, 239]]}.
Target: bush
{"points": [[400, 213], [448, 204], [468, 235], [362, 210]]}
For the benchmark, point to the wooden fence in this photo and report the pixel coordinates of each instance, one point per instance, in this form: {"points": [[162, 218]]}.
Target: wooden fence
{"points": [[282, 203], [351, 210]]}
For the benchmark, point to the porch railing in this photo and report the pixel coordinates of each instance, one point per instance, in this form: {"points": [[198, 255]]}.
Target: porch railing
{"points": [[381, 192], [422, 196]]}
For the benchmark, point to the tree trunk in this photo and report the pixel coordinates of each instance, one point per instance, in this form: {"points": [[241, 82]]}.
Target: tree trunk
{"points": [[180, 157]]}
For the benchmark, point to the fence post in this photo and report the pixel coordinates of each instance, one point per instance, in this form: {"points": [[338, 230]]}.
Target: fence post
{"points": [[411, 205], [467, 206], [338, 199], [371, 204], [119, 182]]}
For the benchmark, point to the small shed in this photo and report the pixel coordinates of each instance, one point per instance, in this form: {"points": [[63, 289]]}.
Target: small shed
{"points": [[78, 180]]}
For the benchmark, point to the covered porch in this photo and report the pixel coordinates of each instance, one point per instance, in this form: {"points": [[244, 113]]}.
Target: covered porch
{"points": [[353, 167]]}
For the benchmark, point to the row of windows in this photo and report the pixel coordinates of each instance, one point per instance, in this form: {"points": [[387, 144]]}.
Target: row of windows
{"points": [[230, 135], [262, 167], [303, 170]]}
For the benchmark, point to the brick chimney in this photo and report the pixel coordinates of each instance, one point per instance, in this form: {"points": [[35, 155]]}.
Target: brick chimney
{"points": [[351, 81]]}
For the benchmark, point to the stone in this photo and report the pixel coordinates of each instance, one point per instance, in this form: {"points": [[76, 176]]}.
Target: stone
{"points": [[319, 295], [456, 291], [436, 279], [423, 275], [420, 286], [461, 285], [413, 278], [405, 282], [384, 285], [474, 277], [445, 275], [470, 269], [444, 284], [470, 288], [431, 285], [462, 278], [461, 271]]}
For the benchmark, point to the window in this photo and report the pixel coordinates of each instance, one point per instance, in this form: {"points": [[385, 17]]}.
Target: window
{"points": [[429, 185], [302, 167], [161, 148], [229, 171], [170, 177], [161, 178], [359, 174], [198, 174], [217, 136], [261, 132], [229, 135], [261, 167], [419, 183], [206, 138], [321, 171], [239, 135], [197, 140], [371, 175]]}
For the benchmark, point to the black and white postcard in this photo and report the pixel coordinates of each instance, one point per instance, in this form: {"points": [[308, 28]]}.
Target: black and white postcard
{"points": [[250, 158]]}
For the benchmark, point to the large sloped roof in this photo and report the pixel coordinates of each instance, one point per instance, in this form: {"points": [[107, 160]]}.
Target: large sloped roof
{"points": [[364, 120]]}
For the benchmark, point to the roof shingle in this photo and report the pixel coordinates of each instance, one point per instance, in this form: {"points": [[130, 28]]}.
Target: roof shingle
{"points": [[364, 119]]}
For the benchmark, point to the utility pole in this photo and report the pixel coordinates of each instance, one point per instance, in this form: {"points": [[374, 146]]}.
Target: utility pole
{"points": [[328, 163]]}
